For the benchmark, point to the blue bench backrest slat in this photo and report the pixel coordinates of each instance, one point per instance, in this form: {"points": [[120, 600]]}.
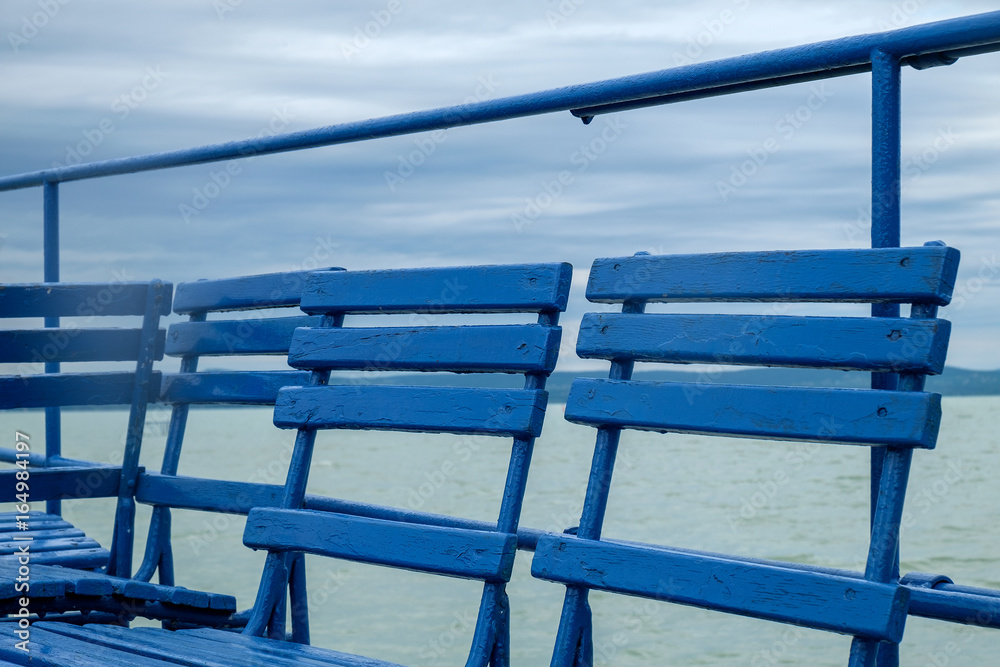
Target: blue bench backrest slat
{"points": [[469, 289], [76, 299], [235, 337], [271, 290], [511, 412], [74, 345], [811, 414], [846, 343], [840, 604], [228, 387], [77, 389], [503, 349], [456, 552], [908, 275]]}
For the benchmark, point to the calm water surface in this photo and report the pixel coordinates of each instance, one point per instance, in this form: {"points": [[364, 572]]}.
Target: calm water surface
{"points": [[795, 502]]}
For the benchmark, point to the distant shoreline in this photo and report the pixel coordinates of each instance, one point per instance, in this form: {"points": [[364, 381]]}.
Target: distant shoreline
{"points": [[952, 382]]}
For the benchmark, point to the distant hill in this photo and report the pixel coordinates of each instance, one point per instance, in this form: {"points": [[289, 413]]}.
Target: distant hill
{"points": [[953, 382]]}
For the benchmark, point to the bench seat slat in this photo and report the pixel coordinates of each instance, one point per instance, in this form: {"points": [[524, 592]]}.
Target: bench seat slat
{"points": [[236, 337], [467, 289], [84, 559], [511, 412], [65, 389], [55, 649], [846, 343], [77, 299], [455, 552], [850, 416], [229, 387], [33, 346], [818, 600], [497, 348], [908, 275], [271, 290]]}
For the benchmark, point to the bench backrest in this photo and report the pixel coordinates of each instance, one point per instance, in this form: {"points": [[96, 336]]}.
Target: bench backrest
{"points": [[238, 328], [895, 421], [531, 350], [45, 349]]}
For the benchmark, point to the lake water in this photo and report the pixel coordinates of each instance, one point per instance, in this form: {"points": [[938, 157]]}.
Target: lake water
{"points": [[787, 501]]}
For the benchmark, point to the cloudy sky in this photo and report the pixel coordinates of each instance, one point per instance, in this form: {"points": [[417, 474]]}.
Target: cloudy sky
{"points": [[85, 81]]}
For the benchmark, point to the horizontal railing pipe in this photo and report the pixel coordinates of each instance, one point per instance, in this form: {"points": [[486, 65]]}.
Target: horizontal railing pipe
{"points": [[922, 45]]}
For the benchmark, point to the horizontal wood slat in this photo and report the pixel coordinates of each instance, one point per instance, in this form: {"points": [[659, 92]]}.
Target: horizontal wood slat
{"points": [[851, 416], [455, 552], [72, 345], [235, 337], [269, 290], [847, 343], [92, 481], [818, 600], [211, 495], [512, 412], [467, 289], [497, 348], [77, 299], [229, 387], [40, 391], [907, 275]]}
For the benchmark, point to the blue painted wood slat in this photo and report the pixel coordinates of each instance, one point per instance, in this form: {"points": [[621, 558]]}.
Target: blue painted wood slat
{"points": [[846, 343], [83, 481], [76, 299], [235, 337], [213, 495], [909, 275], [72, 345], [269, 290], [827, 602], [468, 289], [812, 414], [455, 552], [496, 348], [228, 387], [39, 391], [511, 412]]}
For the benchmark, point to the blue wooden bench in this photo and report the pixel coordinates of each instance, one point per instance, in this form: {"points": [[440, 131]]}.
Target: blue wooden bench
{"points": [[238, 329], [60, 557], [871, 606], [249, 336], [53, 476], [484, 554]]}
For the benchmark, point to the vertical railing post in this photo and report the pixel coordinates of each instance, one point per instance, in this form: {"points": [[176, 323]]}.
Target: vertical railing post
{"points": [[886, 150], [53, 420]]}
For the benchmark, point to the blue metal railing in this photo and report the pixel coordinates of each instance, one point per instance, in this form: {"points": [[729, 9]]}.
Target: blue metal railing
{"points": [[882, 54]]}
